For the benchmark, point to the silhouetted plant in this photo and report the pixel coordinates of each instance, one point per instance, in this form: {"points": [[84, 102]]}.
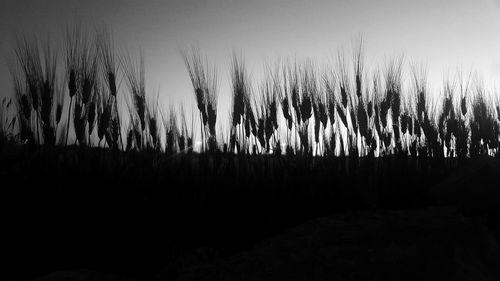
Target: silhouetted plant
{"points": [[352, 115], [204, 79], [73, 44], [241, 91], [483, 123], [110, 66], [7, 123], [152, 122], [39, 68], [136, 82], [171, 131]]}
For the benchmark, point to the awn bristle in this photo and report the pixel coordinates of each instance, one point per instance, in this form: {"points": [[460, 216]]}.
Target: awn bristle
{"points": [[358, 59], [342, 78]]}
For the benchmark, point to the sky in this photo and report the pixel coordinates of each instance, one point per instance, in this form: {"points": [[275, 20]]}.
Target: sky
{"points": [[443, 35]]}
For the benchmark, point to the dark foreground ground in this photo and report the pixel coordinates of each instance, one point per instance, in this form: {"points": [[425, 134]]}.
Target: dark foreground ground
{"points": [[424, 244], [90, 214]]}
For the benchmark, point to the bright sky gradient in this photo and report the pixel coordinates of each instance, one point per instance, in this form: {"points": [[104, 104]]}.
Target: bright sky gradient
{"points": [[442, 34]]}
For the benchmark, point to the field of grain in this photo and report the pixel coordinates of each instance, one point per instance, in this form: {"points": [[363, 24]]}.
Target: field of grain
{"points": [[86, 186]]}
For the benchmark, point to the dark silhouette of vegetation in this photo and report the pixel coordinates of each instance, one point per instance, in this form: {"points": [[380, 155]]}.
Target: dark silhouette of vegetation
{"points": [[302, 143], [335, 113]]}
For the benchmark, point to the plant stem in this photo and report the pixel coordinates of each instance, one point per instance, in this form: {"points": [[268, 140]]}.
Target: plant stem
{"points": [[37, 130], [201, 132], [119, 124], [69, 114]]}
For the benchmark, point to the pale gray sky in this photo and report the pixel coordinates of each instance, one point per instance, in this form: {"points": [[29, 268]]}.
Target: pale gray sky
{"points": [[442, 34]]}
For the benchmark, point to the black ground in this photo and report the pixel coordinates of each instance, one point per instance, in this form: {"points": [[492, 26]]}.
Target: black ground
{"points": [[138, 214]]}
